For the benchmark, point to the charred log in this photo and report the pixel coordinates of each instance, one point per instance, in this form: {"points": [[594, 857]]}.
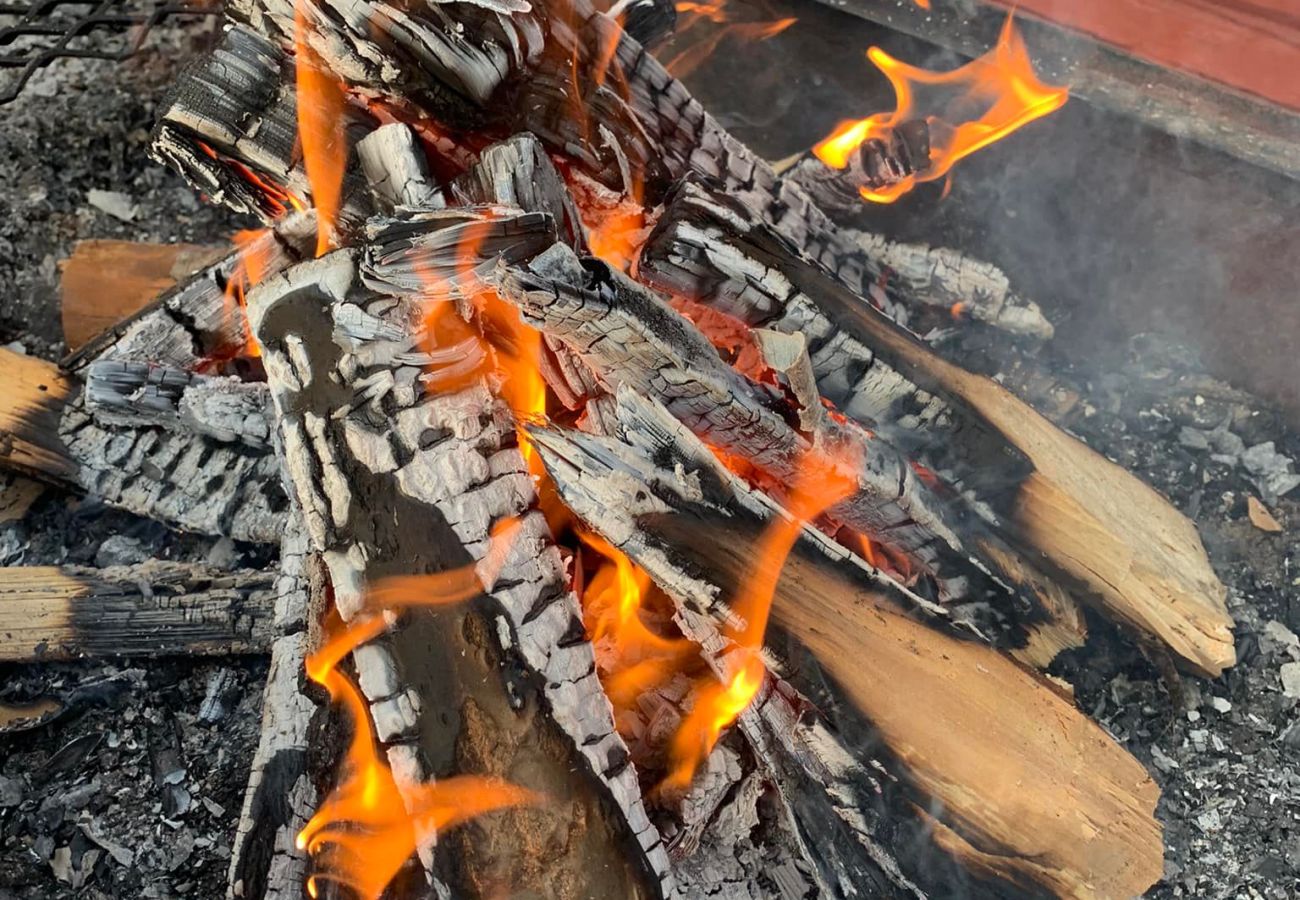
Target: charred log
{"points": [[511, 671], [151, 609], [188, 480]]}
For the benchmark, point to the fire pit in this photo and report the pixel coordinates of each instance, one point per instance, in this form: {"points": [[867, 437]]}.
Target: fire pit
{"points": [[621, 513]]}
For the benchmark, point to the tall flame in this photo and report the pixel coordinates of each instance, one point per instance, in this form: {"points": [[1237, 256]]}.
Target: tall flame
{"points": [[320, 128], [818, 486], [372, 822], [1001, 83]]}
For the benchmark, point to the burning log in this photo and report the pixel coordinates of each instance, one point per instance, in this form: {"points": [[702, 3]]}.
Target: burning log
{"points": [[152, 609], [629, 336], [994, 765], [871, 166], [1088, 522], [513, 672], [189, 480]]}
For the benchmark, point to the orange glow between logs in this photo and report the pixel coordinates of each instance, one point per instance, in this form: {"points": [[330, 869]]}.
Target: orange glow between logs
{"points": [[250, 268], [320, 129], [1001, 83]]}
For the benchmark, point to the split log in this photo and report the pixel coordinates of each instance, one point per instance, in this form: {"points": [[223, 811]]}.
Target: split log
{"points": [[1016, 783], [1091, 526], [265, 863], [152, 609], [505, 686], [630, 336], [103, 282], [198, 322], [188, 480]]}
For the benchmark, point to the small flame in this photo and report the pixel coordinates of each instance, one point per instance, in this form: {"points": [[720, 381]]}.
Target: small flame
{"points": [[818, 485], [320, 128], [371, 822], [251, 262], [1002, 83], [715, 12]]}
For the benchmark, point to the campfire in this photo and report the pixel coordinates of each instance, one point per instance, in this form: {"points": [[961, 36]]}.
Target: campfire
{"points": [[633, 542]]}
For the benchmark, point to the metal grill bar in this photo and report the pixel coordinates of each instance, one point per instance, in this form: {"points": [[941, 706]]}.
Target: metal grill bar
{"points": [[34, 34]]}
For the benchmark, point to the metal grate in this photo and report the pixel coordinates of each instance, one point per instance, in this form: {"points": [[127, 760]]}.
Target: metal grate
{"points": [[35, 33]]}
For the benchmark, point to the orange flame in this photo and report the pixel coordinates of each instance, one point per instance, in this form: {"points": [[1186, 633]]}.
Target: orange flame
{"points": [[320, 129], [1002, 83], [250, 268], [371, 822], [818, 486], [690, 59]]}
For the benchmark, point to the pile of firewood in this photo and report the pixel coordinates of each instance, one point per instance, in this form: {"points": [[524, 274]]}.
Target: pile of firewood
{"points": [[361, 406]]}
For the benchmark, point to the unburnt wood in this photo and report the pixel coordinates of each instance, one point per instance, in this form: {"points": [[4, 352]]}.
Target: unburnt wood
{"points": [[151, 609]]}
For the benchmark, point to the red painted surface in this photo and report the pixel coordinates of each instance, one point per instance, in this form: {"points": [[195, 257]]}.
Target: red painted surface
{"points": [[1250, 45]]}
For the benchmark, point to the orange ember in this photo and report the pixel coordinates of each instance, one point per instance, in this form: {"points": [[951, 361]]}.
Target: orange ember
{"points": [[320, 129], [818, 486], [995, 95], [371, 823]]}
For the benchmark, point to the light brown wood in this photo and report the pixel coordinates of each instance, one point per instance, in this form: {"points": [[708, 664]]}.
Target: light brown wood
{"points": [[30, 404], [104, 281], [1122, 544]]}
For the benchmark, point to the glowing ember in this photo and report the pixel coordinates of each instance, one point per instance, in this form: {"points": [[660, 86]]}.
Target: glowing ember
{"points": [[995, 95], [320, 129], [818, 487]]}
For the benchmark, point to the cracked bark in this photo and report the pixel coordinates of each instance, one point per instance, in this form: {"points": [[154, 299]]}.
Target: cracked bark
{"points": [[505, 686]]}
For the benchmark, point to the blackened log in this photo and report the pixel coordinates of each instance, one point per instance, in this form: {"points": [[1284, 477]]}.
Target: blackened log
{"points": [[230, 126], [151, 609], [187, 480], [265, 863], [393, 481], [1086, 524], [131, 393], [874, 165], [1016, 783], [647, 21]]}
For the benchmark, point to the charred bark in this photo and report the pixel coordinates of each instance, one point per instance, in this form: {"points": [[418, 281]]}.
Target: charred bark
{"points": [[512, 672]]}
